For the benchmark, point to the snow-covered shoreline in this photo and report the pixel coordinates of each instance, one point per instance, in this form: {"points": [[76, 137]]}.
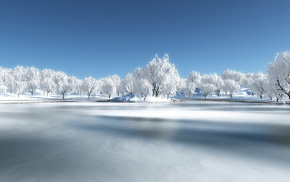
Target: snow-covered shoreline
{"points": [[136, 100], [241, 96]]}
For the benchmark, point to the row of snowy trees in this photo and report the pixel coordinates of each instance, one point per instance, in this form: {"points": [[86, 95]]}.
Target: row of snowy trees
{"points": [[158, 78], [29, 79], [274, 84]]}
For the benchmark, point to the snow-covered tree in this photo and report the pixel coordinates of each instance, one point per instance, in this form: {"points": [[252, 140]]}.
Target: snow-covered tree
{"points": [[78, 86], [231, 86], [159, 71], [192, 83], [279, 72], [4, 74], [108, 87], [248, 79], [207, 89], [3, 88], [259, 84], [3, 80], [218, 82], [170, 82], [63, 84], [89, 86], [181, 84], [143, 88], [170, 87], [188, 91], [194, 77], [273, 91], [47, 83], [209, 84], [233, 75], [117, 80], [17, 82], [127, 84], [32, 79]]}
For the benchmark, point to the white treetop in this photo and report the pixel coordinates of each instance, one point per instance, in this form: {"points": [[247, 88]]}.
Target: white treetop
{"points": [[233, 75]]}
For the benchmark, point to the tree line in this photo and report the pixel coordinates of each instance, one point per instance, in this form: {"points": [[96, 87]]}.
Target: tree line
{"points": [[158, 78]]}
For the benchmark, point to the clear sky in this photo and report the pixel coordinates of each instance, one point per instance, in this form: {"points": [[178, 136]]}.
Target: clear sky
{"points": [[102, 37]]}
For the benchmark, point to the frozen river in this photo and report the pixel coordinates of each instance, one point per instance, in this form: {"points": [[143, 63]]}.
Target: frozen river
{"points": [[132, 142]]}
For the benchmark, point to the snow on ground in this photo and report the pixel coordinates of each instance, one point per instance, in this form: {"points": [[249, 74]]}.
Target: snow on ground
{"points": [[244, 95], [27, 98], [136, 98], [181, 141]]}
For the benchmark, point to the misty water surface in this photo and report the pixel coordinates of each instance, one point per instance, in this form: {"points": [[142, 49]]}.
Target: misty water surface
{"points": [[185, 141]]}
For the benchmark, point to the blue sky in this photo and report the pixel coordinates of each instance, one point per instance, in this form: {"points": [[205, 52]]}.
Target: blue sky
{"points": [[99, 38]]}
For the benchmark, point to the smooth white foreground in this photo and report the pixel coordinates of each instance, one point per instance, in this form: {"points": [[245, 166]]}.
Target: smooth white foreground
{"points": [[133, 142]]}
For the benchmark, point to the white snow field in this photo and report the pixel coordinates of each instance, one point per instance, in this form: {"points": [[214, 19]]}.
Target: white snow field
{"points": [[132, 142]]}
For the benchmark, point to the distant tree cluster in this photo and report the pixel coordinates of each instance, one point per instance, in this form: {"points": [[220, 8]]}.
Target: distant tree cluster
{"points": [[274, 84], [29, 79], [158, 78]]}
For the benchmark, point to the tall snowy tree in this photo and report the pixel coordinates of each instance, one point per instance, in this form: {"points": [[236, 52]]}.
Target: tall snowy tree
{"points": [[143, 88], [89, 86], [192, 83], [62, 82], [159, 71], [117, 80], [231, 87], [18, 82], [47, 83], [108, 87], [210, 84], [127, 84], [259, 84], [32, 79], [279, 72]]}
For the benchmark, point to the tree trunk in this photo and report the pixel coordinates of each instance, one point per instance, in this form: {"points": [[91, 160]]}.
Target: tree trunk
{"points": [[157, 92]]}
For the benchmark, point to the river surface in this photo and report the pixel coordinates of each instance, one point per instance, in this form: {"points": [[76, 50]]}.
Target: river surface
{"points": [[132, 142]]}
